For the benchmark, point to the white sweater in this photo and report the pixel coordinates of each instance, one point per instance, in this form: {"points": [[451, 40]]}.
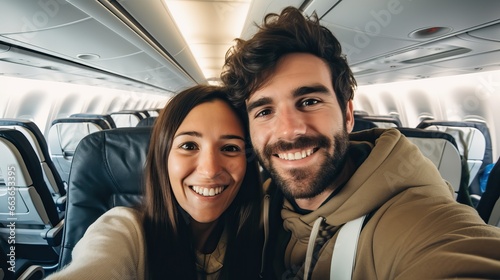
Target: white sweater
{"points": [[112, 248]]}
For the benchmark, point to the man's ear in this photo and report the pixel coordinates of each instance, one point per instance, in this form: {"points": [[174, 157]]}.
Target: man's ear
{"points": [[349, 118]]}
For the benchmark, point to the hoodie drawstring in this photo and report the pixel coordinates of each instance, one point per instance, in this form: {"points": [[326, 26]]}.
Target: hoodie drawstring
{"points": [[310, 246]]}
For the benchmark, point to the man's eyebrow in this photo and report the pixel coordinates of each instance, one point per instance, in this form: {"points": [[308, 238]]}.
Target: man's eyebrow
{"points": [[259, 102], [298, 92]]}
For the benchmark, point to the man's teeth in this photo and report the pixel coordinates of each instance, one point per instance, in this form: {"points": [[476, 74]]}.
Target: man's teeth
{"points": [[207, 191], [296, 155]]}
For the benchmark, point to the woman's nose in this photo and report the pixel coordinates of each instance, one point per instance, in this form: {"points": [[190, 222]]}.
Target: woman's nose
{"points": [[210, 164]]}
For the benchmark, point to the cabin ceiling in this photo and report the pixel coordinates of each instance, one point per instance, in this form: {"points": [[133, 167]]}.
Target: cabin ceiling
{"points": [[138, 45]]}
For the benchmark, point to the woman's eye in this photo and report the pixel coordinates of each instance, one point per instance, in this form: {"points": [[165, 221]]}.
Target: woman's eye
{"points": [[188, 146], [231, 148]]}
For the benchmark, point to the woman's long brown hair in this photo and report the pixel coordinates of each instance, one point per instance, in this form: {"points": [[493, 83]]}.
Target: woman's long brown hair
{"points": [[169, 247]]}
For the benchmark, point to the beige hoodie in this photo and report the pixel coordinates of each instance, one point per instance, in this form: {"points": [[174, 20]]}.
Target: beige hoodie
{"points": [[416, 230]]}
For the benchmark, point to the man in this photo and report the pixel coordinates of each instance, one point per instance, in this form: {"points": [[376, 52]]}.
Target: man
{"points": [[297, 89]]}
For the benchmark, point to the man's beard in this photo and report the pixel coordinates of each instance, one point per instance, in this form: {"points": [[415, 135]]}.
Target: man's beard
{"points": [[302, 182]]}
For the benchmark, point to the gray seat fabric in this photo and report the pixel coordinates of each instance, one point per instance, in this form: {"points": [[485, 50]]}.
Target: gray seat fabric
{"points": [[106, 172], [33, 214], [441, 149], [64, 136], [473, 142], [127, 118], [30, 130]]}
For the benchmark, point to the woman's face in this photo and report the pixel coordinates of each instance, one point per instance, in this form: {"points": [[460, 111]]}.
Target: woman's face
{"points": [[207, 161]]}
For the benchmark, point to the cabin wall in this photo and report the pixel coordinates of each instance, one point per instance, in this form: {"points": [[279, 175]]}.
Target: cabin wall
{"points": [[43, 101], [455, 98]]}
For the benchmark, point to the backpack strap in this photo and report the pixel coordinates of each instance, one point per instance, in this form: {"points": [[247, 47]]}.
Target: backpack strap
{"points": [[344, 251]]}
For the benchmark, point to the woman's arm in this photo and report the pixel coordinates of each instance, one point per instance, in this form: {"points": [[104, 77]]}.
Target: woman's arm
{"points": [[112, 248]]}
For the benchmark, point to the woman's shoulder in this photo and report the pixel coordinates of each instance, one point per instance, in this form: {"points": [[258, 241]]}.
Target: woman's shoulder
{"points": [[123, 212], [119, 217]]}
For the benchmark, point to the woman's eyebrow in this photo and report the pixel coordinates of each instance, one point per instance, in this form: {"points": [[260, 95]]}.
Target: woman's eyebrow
{"points": [[189, 133], [199, 135]]}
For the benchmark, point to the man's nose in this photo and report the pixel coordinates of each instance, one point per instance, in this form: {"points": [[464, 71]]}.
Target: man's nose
{"points": [[290, 124]]}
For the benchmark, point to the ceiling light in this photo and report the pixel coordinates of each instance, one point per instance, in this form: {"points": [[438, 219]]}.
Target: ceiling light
{"points": [[88, 56], [209, 28], [429, 32]]}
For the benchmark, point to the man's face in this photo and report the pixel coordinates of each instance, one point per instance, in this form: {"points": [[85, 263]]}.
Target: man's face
{"points": [[297, 127]]}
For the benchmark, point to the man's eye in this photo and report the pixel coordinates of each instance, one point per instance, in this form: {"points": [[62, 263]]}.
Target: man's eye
{"points": [[309, 102], [188, 146], [263, 113]]}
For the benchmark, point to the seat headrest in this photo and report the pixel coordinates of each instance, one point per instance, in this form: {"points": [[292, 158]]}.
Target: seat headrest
{"points": [[482, 127], [361, 124], [110, 162], [126, 118], [149, 121], [107, 171], [104, 117], [441, 149], [33, 134]]}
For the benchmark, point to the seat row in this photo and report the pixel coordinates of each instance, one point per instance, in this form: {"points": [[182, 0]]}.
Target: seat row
{"points": [[34, 176], [106, 172], [462, 152]]}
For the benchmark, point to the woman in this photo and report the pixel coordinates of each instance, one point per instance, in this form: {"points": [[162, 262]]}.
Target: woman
{"points": [[200, 217]]}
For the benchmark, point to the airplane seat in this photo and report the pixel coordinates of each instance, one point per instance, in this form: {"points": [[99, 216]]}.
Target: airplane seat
{"points": [[64, 136], [29, 217], [51, 175], [361, 124], [474, 143], [144, 113], [106, 172], [13, 268], [381, 121], [105, 117], [441, 149], [127, 118], [149, 121], [489, 204], [153, 112]]}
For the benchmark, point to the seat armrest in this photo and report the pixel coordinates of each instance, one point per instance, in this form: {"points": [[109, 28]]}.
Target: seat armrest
{"points": [[54, 235], [475, 199], [33, 272], [61, 203]]}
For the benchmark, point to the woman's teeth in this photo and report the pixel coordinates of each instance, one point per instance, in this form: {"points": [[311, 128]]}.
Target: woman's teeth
{"points": [[207, 191]]}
